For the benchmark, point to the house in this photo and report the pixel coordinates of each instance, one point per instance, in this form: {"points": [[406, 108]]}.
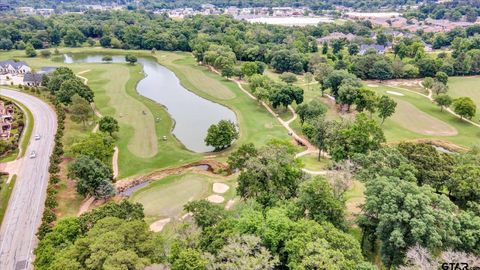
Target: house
{"points": [[32, 79], [380, 49], [335, 36], [6, 119], [14, 68], [26, 10]]}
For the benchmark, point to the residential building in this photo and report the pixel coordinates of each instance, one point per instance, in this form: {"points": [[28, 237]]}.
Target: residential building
{"points": [[380, 49], [12, 67], [32, 79]]}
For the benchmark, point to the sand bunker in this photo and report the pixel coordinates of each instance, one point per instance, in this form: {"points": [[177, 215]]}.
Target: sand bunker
{"points": [[372, 85], [158, 225], [411, 118], [215, 199], [395, 93], [220, 188]]}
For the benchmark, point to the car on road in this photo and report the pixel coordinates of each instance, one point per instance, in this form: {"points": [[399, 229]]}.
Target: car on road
{"points": [[37, 137], [33, 154]]}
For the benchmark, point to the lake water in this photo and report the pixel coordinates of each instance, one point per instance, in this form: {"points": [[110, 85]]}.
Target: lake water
{"points": [[193, 114]]}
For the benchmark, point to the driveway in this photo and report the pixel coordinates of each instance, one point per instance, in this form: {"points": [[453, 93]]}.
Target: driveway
{"points": [[25, 208]]}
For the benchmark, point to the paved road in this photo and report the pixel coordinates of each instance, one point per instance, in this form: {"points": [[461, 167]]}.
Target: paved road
{"points": [[25, 209]]}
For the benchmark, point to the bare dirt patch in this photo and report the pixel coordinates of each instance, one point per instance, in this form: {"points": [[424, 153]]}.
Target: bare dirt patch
{"points": [[220, 188]]}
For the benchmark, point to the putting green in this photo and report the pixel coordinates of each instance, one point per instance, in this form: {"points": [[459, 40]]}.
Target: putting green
{"points": [[413, 119], [166, 197]]}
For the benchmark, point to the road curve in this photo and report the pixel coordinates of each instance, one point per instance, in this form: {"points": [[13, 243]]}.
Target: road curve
{"points": [[25, 208]]}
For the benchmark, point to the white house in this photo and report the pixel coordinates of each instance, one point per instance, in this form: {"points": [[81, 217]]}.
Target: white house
{"points": [[14, 68]]}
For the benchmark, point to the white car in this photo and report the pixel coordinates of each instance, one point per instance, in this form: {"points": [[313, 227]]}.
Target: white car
{"points": [[33, 154], [37, 137]]}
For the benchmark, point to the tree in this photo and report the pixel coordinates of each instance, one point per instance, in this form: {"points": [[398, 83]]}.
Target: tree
{"points": [[444, 101], [70, 87], [335, 79], [205, 213], [288, 77], [80, 109], [464, 185], [30, 51], [271, 176], [221, 135], [112, 243], [190, 259], [130, 58], [228, 71], [249, 68], [395, 208], [442, 77], [317, 201], [244, 252], [381, 70], [95, 145], [74, 38], [386, 107], [366, 100], [284, 94], [347, 93], [108, 124], [287, 60], [237, 159], [92, 177], [353, 49], [433, 167], [311, 110], [465, 107], [428, 82], [387, 161], [439, 88], [361, 136]]}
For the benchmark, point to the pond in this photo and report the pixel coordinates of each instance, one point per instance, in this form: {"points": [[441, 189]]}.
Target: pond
{"points": [[193, 115]]}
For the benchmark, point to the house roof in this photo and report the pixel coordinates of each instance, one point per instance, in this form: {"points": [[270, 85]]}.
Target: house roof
{"points": [[33, 77], [378, 48], [15, 65]]}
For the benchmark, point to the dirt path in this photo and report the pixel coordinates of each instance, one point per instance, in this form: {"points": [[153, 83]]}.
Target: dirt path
{"points": [[85, 205], [115, 162], [285, 124], [85, 80]]}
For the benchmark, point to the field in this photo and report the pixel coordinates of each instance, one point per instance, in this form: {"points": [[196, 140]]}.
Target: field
{"points": [[165, 197], [466, 87]]}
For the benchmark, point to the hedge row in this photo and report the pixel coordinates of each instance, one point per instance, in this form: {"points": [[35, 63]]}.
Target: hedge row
{"points": [[49, 215]]}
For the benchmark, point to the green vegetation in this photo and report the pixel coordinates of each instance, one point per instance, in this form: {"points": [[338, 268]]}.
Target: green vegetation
{"points": [[28, 122], [158, 201], [5, 192]]}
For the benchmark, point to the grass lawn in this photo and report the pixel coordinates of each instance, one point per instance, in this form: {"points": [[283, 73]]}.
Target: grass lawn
{"points": [[466, 87], [312, 163], [5, 192], [421, 116], [256, 124], [158, 201]]}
